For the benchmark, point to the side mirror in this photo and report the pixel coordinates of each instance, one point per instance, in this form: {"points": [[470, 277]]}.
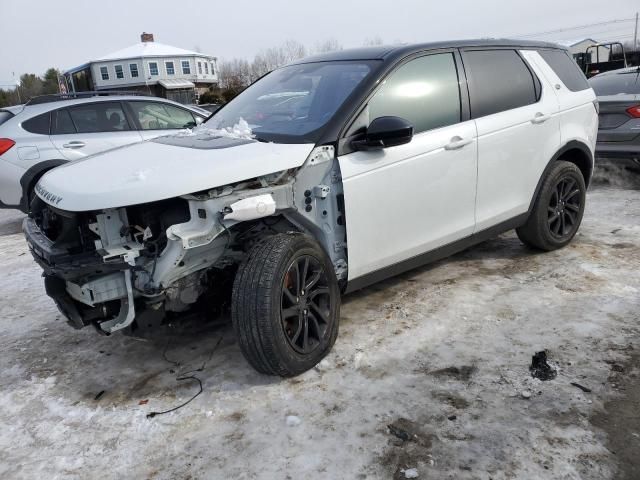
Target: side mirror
{"points": [[385, 132]]}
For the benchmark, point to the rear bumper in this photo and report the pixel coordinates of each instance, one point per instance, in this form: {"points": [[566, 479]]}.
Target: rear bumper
{"points": [[618, 150]]}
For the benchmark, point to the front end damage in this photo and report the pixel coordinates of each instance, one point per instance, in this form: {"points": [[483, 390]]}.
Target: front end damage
{"points": [[135, 267]]}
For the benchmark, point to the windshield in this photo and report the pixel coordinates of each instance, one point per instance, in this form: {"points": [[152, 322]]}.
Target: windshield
{"points": [[617, 83], [293, 103]]}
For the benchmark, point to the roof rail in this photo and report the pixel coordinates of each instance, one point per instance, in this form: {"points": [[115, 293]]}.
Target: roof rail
{"points": [[58, 97]]}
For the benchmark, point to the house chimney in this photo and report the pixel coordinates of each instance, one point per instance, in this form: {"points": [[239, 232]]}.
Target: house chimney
{"points": [[146, 37]]}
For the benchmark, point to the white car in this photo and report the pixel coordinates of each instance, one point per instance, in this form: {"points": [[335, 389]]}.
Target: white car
{"points": [[52, 130], [321, 178]]}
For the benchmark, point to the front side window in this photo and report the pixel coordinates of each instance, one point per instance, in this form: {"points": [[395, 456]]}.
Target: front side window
{"points": [[104, 73], [423, 91], [99, 117], [133, 69], [293, 103], [159, 116], [153, 68], [499, 80], [186, 68], [169, 67], [119, 71]]}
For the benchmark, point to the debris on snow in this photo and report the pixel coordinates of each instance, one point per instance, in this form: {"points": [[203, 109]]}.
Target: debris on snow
{"points": [[293, 421], [581, 387], [410, 473], [540, 369], [526, 394]]}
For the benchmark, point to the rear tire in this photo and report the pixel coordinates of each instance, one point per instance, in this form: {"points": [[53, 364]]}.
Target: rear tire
{"points": [[558, 209], [285, 305]]}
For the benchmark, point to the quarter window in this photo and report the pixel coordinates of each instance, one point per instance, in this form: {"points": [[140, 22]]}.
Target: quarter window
{"points": [[99, 117], [186, 68], [566, 69], [133, 68], [159, 116], [104, 73], [169, 67], [423, 91], [38, 124], [499, 80], [119, 72], [153, 68]]}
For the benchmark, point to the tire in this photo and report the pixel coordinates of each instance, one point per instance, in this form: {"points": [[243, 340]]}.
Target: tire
{"points": [[271, 315], [558, 209]]}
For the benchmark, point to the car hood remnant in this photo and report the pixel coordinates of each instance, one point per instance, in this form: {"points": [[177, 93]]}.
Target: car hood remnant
{"points": [[165, 168]]}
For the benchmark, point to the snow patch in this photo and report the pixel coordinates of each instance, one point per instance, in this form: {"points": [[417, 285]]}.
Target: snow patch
{"points": [[240, 130], [293, 421], [410, 473]]}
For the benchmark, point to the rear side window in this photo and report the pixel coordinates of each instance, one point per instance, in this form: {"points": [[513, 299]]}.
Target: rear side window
{"points": [[99, 117], [499, 80], [423, 91], [38, 124], [4, 116], [61, 123], [566, 69]]}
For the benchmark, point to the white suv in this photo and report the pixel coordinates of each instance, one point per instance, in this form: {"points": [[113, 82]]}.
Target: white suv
{"points": [[321, 178], [54, 129]]}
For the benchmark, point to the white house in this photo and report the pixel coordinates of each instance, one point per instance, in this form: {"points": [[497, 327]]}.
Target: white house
{"points": [[149, 67], [578, 49]]}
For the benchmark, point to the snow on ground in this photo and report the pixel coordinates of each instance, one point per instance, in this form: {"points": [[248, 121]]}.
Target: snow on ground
{"points": [[426, 379]]}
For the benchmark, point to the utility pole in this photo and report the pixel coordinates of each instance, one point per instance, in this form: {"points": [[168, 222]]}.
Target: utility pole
{"points": [[635, 34]]}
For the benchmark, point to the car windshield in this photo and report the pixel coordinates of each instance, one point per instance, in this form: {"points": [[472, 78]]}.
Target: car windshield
{"points": [[293, 103], [617, 83]]}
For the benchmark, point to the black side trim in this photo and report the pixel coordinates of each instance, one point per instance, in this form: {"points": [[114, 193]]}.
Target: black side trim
{"points": [[30, 177], [435, 255]]}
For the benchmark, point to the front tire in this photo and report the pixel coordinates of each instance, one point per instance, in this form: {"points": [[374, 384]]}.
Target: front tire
{"points": [[558, 209], [286, 305]]}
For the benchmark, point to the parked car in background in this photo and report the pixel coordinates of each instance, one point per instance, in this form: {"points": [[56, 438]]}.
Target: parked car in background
{"points": [[200, 109], [322, 177], [52, 130], [618, 94], [210, 107]]}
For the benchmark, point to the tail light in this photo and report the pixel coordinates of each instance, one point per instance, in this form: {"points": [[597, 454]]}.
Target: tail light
{"points": [[6, 144], [633, 111]]}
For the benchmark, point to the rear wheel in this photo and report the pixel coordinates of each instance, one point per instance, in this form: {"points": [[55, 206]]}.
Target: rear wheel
{"points": [[558, 209], [286, 305]]}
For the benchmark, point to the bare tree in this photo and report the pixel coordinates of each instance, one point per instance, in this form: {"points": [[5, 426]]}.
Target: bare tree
{"points": [[373, 41], [329, 45]]}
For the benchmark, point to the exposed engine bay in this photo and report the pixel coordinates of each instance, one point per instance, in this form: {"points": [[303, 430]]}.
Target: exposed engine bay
{"points": [[134, 267]]}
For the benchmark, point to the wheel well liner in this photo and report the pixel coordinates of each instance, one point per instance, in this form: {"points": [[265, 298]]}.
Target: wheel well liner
{"points": [[31, 177], [575, 152]]}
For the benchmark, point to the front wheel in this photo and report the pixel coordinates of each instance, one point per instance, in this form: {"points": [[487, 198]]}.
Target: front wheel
{"points": [[558, 209], [286, 305]]}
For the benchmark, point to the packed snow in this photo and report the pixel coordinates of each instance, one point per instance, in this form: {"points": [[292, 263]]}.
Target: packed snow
{"points": [[240, 130]]}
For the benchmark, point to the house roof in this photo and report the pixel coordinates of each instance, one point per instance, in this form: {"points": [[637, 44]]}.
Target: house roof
{"points": [[147, 49], [575, 41]]}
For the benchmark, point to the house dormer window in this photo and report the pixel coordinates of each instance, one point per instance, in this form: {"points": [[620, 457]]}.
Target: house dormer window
{"points": [[153, 69], [206, 68], [200, 68], [119, 71], [133, 69], [169, 67], [104, 73], [186, 68]]}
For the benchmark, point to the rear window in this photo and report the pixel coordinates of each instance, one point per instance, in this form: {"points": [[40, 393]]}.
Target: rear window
{"points": [[4, 116], [38, 124], [616, 83], [566, 69], [499, 81]]}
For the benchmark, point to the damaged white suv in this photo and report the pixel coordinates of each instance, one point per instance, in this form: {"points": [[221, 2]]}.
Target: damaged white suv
{"points": [[321, 178]]}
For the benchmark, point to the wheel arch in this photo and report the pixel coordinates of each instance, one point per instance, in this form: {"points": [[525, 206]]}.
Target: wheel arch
{"points": [[575, 152], [31, 176]]}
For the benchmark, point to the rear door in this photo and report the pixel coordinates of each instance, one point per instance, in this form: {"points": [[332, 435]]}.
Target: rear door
{"points": [[155, 119], [405, 200], [91, 128], [516, 115]]}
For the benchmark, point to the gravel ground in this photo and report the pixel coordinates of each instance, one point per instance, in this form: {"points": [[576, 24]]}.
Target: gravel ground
{"points": [[429, 376]]}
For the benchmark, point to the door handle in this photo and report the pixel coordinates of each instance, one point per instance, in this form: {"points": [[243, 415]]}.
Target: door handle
{"points": [[74, 144], [457, 142], [540, 118]]}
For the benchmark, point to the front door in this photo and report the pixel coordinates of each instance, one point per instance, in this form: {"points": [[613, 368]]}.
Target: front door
{"points": [[406, 200]]}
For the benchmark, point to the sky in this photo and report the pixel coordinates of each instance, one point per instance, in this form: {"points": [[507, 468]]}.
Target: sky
{"points": [[38, 34]]}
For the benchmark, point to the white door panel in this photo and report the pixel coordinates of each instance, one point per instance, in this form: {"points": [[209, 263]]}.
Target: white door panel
{"points": [[79, 145], [514, 147], [403, 201]]}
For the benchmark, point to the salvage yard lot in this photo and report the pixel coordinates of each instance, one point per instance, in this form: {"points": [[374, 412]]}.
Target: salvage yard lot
{"points": [[430, 371]]}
